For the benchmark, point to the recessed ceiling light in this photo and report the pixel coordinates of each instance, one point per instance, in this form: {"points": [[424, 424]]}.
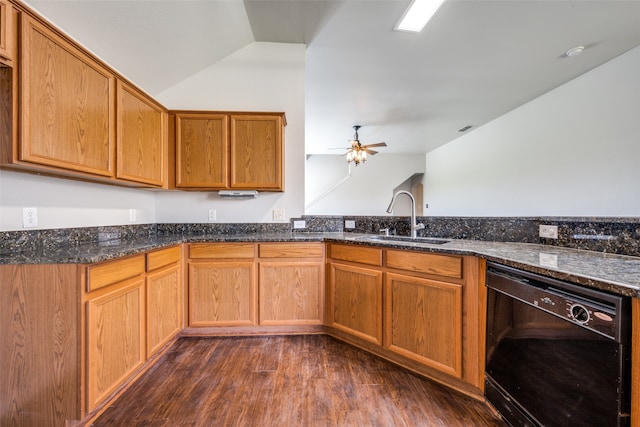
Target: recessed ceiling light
{"points": [[574, 51], [418, 14]]}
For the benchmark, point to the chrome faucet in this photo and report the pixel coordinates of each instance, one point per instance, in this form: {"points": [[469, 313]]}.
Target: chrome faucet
{"points": [[414, 227]]}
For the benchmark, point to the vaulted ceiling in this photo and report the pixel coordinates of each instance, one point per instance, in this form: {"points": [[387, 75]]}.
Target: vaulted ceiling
{"points": [[475, 60]]}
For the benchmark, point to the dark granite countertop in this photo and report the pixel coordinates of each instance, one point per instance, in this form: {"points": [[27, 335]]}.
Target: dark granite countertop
{"points": [[615, 273], [619, 274], [88, 253]]}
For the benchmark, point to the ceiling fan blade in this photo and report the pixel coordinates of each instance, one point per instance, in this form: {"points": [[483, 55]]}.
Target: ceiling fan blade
{"points": [[372, 152], [379, 144]]}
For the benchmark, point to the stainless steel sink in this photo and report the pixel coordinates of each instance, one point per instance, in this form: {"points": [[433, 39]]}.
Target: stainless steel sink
{"points": [[427, 240]]}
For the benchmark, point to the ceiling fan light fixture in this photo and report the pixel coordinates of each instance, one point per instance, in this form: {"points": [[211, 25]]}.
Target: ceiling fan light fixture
{"points": [[358, 152], [357, 155], [418, 14]]}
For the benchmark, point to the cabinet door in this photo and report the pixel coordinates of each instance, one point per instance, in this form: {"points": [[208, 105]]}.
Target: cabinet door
{"points": [[164, 307], [67, 103], [142, 138], [6, 29], [256, 152], [202, 147], [355, 304], [222, 293], [40, 357], [115, 338], [291, 293], [423, 321]]}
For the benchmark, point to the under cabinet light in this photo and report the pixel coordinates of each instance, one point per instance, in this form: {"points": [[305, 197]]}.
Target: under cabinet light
{"points": [[418, 14]]}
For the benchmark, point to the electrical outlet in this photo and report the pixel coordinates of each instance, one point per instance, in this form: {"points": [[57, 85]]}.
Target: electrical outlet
{"points": [[549, 231], [132, 215], [29, 217], [278, 214], [212, 215], [299, 223], [350, 223], [548, 260]]}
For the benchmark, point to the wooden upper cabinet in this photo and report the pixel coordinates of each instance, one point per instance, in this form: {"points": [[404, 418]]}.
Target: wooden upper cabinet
{"points": [[7, 39], [220, 150], [142, 138], [256, 152], [67, 117], [202, 147]]}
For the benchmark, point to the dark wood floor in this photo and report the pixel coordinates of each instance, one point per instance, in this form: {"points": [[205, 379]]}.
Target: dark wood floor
{"points": [[311, 380]]}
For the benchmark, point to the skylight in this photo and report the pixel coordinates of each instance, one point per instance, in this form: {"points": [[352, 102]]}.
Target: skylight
{"points": [[418, 14]]}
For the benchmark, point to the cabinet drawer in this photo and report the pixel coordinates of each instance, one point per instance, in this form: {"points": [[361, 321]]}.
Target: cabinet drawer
{"points": [[163, 257], [363, 255], [110, 272], [290, 250], [439, 265], [221, 250]]}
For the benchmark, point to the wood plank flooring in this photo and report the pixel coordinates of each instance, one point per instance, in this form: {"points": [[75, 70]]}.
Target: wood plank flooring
{"points": [[308, 380]]}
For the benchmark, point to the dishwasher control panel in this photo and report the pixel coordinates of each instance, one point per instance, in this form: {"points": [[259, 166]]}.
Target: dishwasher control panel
{"points": [[591, 309]]}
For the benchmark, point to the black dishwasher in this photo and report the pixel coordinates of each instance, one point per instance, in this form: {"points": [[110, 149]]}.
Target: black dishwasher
{"points": [[557, 354]]}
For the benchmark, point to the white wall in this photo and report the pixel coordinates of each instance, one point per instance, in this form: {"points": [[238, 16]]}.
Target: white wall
{"points": [[63, 203], [574, 151], [367, 190], [259, 77]]}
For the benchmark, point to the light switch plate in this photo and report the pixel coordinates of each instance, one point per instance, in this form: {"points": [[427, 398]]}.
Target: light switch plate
{"points": [[278, 214], [212, 215]]}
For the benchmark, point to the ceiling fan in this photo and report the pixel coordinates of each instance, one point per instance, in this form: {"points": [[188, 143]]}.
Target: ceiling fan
{"points": [[358, 152]]}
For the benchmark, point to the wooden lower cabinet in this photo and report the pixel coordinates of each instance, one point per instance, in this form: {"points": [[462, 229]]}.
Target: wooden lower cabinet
{"points": [[278, 284], [291, 283], [222, 284], [291, 293], [424, 311], [40, 342], [115, 345], [355, 296], [222, 293], [72, 334], [164, 297], [423, 321]]}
